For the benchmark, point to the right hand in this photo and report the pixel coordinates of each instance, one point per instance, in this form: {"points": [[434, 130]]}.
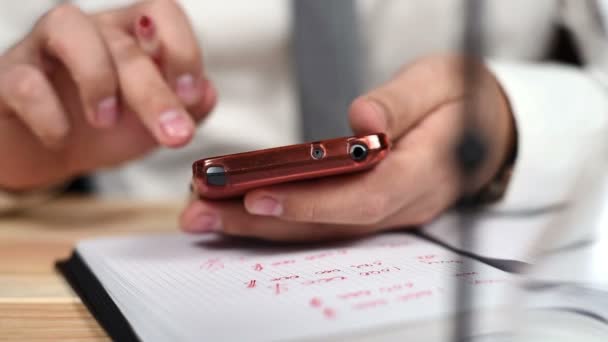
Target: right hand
{"points": [[79, 93]]}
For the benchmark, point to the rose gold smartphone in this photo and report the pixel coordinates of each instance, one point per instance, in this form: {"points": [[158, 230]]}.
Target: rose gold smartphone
{"points": [[233, 175]]}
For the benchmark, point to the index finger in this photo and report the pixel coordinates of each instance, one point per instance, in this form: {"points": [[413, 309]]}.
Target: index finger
{"points": [[178, 50], [146, 93]]}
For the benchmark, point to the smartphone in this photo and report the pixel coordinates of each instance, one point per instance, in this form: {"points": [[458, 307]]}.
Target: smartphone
{"points": [[233, 175]]}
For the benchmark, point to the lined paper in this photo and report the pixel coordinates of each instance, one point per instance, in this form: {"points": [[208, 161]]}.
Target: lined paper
{"points": [[178, 287]]}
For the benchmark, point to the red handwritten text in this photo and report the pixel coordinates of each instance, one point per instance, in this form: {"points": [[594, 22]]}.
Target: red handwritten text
{"points": [[415, 295], [283, 262], [355, 294], [376, 272], [294, 276], [328, 271], [370, 304], [396, 287], [323, 280]]}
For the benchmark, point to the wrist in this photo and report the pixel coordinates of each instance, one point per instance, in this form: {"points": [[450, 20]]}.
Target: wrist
{"points": [[496, 186]]}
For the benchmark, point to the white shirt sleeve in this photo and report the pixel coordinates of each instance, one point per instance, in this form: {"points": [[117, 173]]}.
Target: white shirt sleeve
{"points": [[561, 120], [561, 115]]}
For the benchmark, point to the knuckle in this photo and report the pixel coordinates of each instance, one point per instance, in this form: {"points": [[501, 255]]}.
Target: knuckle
{"points": [[60, 14], [123, 47], [26, 82], [56, 23]]}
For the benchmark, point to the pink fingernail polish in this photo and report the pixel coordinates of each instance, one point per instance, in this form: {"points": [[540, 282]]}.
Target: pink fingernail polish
{"points": [[187, 89], [107, 112], [266, 206], [176, 124], [205, 223]]}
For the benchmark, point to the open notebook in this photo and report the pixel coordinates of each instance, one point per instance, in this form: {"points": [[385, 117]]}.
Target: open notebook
{"points": [[194, 288]]}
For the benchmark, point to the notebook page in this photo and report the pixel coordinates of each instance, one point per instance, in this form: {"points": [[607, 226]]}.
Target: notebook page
{"points": [[491, 232], [192, 288]]}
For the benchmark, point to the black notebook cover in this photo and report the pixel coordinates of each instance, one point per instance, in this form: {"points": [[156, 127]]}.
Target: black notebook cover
{"points": [[96, 298]]}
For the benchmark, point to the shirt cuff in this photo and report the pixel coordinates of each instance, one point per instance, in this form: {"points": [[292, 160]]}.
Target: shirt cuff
{"points": [[561, 120]]}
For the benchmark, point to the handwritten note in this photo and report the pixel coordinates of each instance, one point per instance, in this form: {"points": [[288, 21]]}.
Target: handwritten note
{"points": [[192, 288]]}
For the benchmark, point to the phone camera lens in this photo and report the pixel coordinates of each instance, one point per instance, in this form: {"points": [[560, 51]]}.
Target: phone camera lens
{"points": [[358, 152], [317, 152]]}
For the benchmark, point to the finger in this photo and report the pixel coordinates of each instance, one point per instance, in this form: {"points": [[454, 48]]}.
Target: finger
{"points": [[171, 41], [69, 35], [363, 198], [229, 217], [209, 98], [28, 93], [145, 31], [402, 102], [146, 92], [420, 162], [421, 211], [199, 96]]}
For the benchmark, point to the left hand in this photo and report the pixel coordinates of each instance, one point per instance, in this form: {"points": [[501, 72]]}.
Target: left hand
{"points": [[421, 110]]}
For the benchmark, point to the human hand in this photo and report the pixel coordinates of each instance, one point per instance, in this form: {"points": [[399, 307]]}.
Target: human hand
{"points": [[421, 110], [84, 91]]}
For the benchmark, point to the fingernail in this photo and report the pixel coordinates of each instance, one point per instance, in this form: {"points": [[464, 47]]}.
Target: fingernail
{"points": [[380, 111], [144, 27], [107, 111], [266, 206], [205, 223], [145, 30], [187, 89], [176, 124]]}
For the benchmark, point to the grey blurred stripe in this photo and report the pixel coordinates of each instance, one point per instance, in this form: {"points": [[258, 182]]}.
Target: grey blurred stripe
{"points": [[327, 56]]}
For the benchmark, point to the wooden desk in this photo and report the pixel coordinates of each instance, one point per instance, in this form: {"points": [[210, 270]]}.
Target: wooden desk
{"points": [[35, 302]]}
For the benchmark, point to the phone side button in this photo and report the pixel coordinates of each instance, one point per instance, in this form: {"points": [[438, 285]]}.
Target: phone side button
{"points": [[216, 175]]}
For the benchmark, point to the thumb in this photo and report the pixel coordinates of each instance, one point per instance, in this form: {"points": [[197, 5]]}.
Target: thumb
{"points": [[416, 91]]}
